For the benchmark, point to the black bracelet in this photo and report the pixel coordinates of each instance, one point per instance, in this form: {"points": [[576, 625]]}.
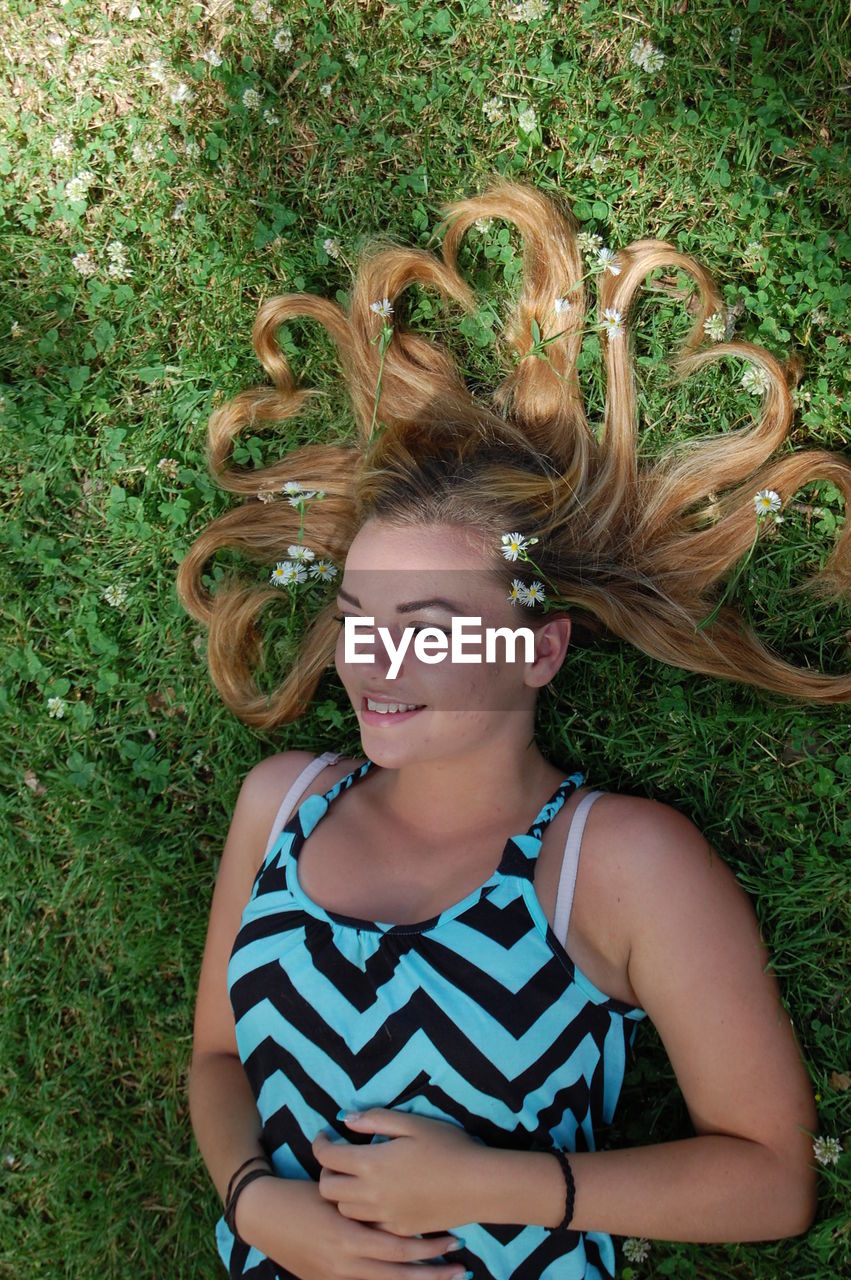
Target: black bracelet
{"points": [[230, 1207], [242, 1167], [569, 1189]]}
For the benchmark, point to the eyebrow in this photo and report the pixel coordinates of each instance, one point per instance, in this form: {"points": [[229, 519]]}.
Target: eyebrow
{"points": [[411, 606]]}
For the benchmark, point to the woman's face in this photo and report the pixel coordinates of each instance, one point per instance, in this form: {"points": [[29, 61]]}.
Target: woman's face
{"points": [[409, 708]]}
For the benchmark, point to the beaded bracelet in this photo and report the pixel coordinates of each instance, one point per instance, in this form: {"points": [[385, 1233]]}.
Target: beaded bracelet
{"points": [[569, 1189]]}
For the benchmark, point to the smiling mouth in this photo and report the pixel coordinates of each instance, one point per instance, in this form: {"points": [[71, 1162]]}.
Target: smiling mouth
{"points": [[391, 708]]}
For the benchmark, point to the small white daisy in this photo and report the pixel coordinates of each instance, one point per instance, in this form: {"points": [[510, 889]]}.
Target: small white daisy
{"points": [[517, 594], [534, 594], [606, 261], [382, 308], [612, 322], [56, 708], [323, 571], [715, 327], [115, 595], [286, 572], [598, 164], [513, 544], [331, 247], [827, 1150], [283, 40], [755, 380], [766, 502], [251, 99], [293, 486], [300, 552], [528, 120], [636, 1250]]}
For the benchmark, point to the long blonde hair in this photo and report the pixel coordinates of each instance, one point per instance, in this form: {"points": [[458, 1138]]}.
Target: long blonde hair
{"points": [[640, 546]]}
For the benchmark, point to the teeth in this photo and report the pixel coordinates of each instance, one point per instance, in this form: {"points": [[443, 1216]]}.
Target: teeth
{"points": [[384, 707]]}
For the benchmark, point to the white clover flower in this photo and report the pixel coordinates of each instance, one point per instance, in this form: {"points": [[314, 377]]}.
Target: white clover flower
{"points": [[589, 243], [271, 118], [352, 58], [827, 1150], [56, 708], [560, 306], [820, 318], [179, 211], [753, 249], [85, 264], [528, 120], [494, 109], [118, 268], [144, 152], [382, 308], [265, 495], [115, 595], [169, 467], [261, 11], [766, 502], [598, 164], [287, 572], [157, 71], [192, 149], [483, 224], [331, 247], [211, 57], [715, 327], [325, 89], [323, 571], [534, 594], [16, 331], [755, 380], [517, 594], [636, 1250], [251, 99], [283, 40], [76, 189], [612, 322], [513, 544], [527, 11], [606, 261], [646, 56], [300, 552], [61, 146], [735, 36], [181, 93]]}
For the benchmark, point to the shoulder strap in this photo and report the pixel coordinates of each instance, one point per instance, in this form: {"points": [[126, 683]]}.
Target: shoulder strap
{"points": [[302, 782], [570, 865]]}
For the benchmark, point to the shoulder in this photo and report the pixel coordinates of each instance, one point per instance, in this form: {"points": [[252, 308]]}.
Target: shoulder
{"points": [[267, 783]]}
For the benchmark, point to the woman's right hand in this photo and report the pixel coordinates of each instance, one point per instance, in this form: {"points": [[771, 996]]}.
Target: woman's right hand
{"points": [[289, 1221]]}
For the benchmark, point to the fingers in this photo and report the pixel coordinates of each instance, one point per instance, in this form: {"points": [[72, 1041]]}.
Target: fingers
{"points": [[385, 1247], [342, 1157], [383, 1120]]}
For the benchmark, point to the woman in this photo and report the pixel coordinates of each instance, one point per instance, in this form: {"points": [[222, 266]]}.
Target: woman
{"points": [[424, 1034]]}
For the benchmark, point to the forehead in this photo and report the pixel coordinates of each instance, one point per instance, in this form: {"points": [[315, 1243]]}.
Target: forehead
{"points": [[398, 564]]}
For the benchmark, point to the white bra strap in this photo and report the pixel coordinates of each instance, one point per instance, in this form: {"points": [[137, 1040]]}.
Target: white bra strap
{"points": [[570, 865], [302, 782]]}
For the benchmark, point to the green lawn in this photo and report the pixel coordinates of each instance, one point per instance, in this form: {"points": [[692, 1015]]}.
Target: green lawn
{"points": [[205, 184]]}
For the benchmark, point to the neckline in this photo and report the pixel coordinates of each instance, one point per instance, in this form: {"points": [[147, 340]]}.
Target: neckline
{"points": [[515, 859]]}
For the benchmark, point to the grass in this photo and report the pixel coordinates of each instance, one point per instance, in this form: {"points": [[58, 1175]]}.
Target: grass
{"points": [[114, 814]]}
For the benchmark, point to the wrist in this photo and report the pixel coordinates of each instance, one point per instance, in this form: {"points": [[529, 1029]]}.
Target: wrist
{"points": [[519, 1187], [251, 1207]]}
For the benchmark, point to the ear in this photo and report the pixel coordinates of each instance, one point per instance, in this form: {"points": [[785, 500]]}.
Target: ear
{"points": [[551, 641]]}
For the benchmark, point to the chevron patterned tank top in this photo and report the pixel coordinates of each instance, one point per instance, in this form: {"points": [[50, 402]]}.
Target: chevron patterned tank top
{"points": [[477, 1017]]}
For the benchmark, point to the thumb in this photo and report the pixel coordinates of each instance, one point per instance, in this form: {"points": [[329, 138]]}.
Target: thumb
{"points": [[392, 1124]]}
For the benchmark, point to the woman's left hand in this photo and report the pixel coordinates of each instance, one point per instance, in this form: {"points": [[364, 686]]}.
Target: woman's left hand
{"points": [[421, 1180]]}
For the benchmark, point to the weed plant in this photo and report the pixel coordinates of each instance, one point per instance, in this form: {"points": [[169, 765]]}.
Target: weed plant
{"points": [[166, 166]]}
